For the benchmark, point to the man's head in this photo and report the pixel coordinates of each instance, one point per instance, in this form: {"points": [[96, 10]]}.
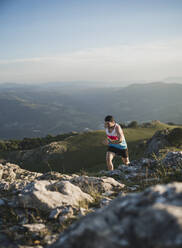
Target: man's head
{"points": [[109, 121]]}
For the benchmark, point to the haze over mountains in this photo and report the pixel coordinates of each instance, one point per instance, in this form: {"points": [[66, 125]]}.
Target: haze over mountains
{"points": [[53, 108]]}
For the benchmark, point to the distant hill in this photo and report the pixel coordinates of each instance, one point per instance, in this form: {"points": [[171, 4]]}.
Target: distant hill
{"points": [[38, 110]]}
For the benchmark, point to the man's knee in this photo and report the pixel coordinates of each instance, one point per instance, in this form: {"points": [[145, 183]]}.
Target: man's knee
{"points": [[109, 158]]}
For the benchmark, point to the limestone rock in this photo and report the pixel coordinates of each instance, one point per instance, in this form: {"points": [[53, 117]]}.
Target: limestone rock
{"points": [[62, 212], [173, 159], [35, 228], [152, 218], [47, 195], [158, 141], [102, 184], [9, 172], [53, 175]]}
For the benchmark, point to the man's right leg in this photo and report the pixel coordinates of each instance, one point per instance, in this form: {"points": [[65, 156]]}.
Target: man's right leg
{"points": [[109, 158]]}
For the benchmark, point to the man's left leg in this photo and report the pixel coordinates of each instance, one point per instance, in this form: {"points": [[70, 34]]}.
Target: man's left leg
{"points": [[126, 161], [125, 157]]}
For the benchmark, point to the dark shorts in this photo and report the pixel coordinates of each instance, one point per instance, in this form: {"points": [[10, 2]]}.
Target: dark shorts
{"points": [[120, 152]]}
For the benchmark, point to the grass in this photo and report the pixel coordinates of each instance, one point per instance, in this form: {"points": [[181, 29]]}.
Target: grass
{"points": [[85, 151]]}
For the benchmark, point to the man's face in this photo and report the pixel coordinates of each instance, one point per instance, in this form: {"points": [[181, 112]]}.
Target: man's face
{"points": [[109, 123]]}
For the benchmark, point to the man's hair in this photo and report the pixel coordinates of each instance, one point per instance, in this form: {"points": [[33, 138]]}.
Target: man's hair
{"points": [[109, 118]]}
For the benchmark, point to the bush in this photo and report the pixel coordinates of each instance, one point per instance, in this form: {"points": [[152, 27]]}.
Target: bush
{"points": [[171, 123], [133, 124], [175, 137], [3, 146]]}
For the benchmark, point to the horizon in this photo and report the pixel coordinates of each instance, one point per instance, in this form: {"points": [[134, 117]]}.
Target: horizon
{"points": [[90, 84], [99, 41]]}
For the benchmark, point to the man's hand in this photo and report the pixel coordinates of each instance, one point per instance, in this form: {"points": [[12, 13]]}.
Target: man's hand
{"points": [[105, 142], [115, 141]]}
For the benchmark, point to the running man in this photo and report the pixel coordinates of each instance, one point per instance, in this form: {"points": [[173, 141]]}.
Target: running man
{"points": [[116, 142]]}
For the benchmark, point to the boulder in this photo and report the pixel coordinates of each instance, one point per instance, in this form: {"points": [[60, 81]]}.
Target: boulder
{"points": [[157, 142], [35, 228], [172, 159], [137, 169], [11, 172], [101, 184], [47, 195], [150, 219]]}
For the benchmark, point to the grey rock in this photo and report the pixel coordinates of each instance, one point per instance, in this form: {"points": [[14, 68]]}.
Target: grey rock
{"points": [[173, 159], [101, 184], [55, 213], [9, 172], [158, 141], [49, 239], [35, 227], [2, 202], [149, 219], [133, 188], [82, 212], [47, 195], [104, 202], [66, 211]]}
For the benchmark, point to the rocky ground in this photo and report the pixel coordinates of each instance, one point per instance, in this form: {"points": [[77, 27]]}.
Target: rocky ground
{"points": [[111, 209], [152, 218], [35, 207]]}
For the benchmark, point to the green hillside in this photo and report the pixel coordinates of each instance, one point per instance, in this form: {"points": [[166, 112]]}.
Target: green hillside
{"points": [[83, 151]]}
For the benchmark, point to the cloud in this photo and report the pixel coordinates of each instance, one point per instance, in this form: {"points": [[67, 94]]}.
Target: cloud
{"points": [[150, 61]]}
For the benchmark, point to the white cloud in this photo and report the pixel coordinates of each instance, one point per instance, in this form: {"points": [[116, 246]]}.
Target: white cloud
{"points": [[150, 61]]}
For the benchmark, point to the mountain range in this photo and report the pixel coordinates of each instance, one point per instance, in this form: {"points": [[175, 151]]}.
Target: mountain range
{"points": [[54, 108]]}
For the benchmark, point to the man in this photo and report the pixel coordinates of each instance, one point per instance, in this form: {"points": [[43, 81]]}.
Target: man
{"points": [[116, 142]]}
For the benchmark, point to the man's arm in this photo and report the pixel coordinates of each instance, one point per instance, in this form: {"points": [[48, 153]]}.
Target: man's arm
{"points": [[105, 141], [120, 135]]}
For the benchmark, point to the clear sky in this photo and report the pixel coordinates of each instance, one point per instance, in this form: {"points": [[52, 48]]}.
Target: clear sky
{"points": [[92, 40]]}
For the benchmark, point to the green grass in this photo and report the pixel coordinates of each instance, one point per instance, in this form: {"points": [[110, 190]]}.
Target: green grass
{"points": [[85, 151]]}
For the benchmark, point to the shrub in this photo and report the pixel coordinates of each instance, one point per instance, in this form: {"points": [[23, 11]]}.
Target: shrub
{"points": [[133, 124], [175, 137]]}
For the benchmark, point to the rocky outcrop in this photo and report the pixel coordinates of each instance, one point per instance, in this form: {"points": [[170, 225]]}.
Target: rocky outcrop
{"points": [[157, 142], [173, 159], [162, 139], [35, 208], [14, 179], [33, 204], [152, 219], [175, 137], [104, 184], [11, 172], [138, 169], [46, 195]]}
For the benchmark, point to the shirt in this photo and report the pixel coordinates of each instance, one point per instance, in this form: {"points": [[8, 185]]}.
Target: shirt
{"points": [[113, 136]]}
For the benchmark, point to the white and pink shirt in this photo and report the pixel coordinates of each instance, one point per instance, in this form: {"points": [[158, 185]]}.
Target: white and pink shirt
{"points": [[113, 136]]}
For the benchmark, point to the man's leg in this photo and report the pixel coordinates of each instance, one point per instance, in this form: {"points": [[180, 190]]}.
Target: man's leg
{"points": [[109, 158], [125, 157], [126, 160]]}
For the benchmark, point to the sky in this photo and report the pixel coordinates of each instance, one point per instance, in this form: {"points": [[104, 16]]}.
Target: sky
{"points": [[90, 40]]}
